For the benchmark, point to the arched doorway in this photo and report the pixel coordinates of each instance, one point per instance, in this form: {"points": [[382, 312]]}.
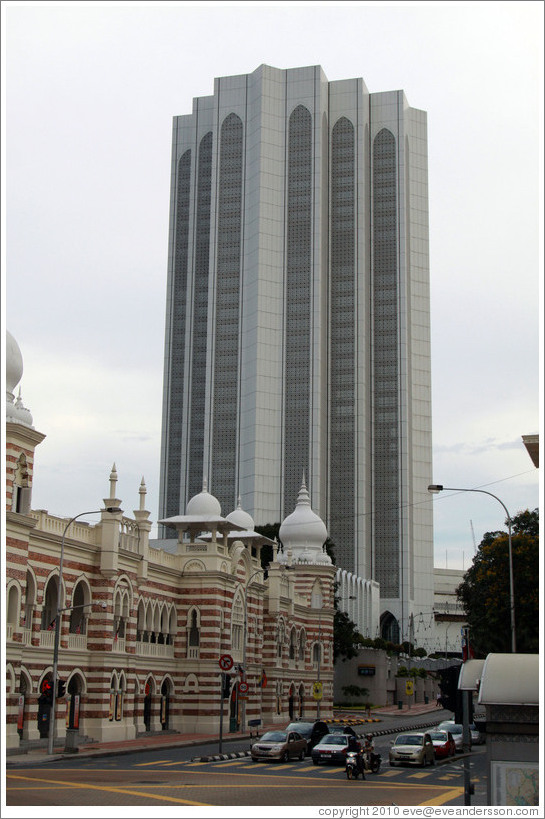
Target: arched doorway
{"points": [[301, 700], [291, 698], [147, 705]]}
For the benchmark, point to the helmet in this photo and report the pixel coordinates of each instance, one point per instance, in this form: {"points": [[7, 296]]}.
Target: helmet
{"points": [[368, 736]]}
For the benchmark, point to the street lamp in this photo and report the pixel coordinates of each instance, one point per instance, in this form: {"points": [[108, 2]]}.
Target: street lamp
{"points": [[58, 624], [436, 488], [258, 571]]}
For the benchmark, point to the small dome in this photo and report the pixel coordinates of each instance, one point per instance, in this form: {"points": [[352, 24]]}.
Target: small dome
{"points": [[14, 363], [203, 504], [241, 518]]}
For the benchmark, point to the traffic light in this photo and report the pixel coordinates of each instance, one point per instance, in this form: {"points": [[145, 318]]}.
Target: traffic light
{"points": [[451, 697], [61, 688], [226, 686], [47, 690]]}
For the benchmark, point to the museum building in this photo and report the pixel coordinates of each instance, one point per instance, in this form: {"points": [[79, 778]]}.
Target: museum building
{"points": [[147, 633]]}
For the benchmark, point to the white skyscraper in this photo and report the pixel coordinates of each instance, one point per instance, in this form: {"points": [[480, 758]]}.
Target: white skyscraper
{"points": [[297, 326]]}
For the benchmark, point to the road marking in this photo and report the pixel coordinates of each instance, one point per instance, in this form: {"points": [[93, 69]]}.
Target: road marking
{"points": [[419, 775], [110, 789], [157, 762], [444, 797], [231, 763]]}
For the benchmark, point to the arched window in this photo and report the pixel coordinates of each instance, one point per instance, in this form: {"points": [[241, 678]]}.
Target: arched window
{"points": [[193, 634], [78, 620], [21, 488], [281, 637], [30, 600], [293, 644], [237, 625], [49, 610], [302, 645], [13, 606], [316, 600]]}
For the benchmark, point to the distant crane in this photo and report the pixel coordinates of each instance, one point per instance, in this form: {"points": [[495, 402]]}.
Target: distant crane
{"points": [[473, 536]]}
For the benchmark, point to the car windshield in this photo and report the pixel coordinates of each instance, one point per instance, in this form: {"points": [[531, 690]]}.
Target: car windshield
{"points": [[408, 739], [274, 736], [453, 727], [334, 739], [300, 727], [441, 735]]}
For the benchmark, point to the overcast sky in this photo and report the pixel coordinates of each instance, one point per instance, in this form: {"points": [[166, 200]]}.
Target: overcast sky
{"points": [[89, 92]]}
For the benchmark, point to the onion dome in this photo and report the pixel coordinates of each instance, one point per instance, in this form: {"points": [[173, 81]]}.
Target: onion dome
{"points": [[14, 364], [241, 518], [304, 532], [203, 504], [16, 412]]}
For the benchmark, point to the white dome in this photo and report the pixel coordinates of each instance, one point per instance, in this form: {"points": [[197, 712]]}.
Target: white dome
{"points": [[14, 363], [203, 504], [303, 530], [241, 518]]}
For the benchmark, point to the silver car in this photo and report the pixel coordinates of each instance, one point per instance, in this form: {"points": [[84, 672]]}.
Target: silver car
{"points": [[457, 731], [281, 745], [412, 748]]}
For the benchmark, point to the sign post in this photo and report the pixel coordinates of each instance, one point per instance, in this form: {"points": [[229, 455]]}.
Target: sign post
{"points": [[225, 663]]}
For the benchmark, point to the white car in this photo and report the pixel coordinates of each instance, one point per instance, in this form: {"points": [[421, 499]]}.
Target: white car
{"points": [[457, 731]]}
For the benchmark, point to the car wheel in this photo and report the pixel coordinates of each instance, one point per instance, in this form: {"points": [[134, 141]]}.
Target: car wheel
{"points": [[301, 755], [392, 764], [285, 757]]}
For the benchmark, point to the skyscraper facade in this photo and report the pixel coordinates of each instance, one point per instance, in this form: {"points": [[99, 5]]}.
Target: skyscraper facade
{"points": [[297, 322]]}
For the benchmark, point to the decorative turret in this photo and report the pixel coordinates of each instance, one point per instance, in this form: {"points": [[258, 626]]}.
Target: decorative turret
{"points": [[304, 532]]}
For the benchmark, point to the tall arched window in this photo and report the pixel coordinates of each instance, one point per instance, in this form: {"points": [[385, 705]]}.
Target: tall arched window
{"points": [[194, 635], [49, 610], [237, 626]]}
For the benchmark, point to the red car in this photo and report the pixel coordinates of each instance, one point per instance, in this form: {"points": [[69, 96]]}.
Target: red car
{"points": [[443, 744]]}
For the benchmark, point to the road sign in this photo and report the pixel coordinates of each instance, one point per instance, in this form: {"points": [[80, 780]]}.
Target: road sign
{"points": [[409, 688], [226, 662], [317, 690], [243, 687]]}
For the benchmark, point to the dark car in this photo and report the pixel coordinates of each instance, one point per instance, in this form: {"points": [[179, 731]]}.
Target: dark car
{"points": [[311, 731], [332, 748]]}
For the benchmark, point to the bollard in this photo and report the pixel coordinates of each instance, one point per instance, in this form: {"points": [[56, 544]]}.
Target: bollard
{"points": [[70, 743]]}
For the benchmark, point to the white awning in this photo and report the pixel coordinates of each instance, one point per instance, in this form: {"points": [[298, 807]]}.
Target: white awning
{"points": [[471, 673], [510, 679]]}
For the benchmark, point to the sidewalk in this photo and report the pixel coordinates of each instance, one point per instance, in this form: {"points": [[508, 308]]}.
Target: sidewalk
{"points": [[175, 740]]}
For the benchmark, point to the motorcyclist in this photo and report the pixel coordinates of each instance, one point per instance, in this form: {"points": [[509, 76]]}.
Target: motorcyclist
{"points": [[354, 745], [368, 750]]}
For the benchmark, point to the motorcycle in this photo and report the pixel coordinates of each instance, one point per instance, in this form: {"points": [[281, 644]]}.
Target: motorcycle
{"points": [[374, 762], [352, 766]]}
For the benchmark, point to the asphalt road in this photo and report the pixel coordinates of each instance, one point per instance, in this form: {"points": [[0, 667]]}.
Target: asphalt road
{"points": [[167, 778]]}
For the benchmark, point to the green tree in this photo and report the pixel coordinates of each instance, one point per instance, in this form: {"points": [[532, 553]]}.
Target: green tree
{"points": [[485, 590], [346, 637]]}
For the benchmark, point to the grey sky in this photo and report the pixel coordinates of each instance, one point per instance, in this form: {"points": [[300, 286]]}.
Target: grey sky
{"points": [[89, 93]]}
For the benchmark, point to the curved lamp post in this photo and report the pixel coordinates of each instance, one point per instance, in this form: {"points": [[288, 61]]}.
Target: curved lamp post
{"points": [[258, 571], [434, 489], [58, 623]]}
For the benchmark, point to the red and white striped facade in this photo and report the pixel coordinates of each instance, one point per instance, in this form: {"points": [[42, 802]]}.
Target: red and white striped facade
{"points": [[144, 628]]}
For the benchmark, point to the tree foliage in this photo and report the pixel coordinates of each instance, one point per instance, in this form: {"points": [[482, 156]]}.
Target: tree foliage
{"points": [[346, 637], [485, 590]]}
